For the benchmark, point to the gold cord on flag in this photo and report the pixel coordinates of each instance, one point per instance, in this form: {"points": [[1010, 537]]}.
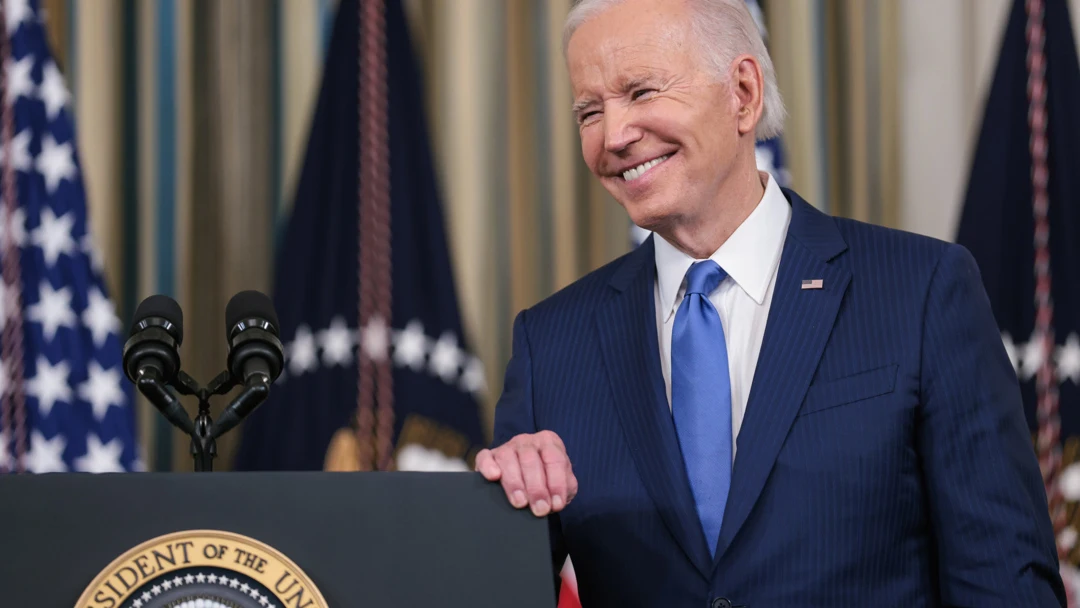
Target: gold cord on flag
{"points": [[1048, 440], [375, 413], [13, 414]]}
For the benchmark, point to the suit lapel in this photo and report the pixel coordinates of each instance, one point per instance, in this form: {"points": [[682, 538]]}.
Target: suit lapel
{"points": [[799, 324], [632, 360]]}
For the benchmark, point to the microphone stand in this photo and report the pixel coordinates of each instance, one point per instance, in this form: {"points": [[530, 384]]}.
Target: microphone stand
{"points": [[205, 431], [203, 442]]}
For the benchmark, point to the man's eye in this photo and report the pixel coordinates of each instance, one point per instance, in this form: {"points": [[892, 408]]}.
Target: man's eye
{"points": [[585, 117], [638, 93]]}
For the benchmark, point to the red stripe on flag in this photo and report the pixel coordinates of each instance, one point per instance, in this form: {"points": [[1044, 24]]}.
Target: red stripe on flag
{"points": [[568, 593]]}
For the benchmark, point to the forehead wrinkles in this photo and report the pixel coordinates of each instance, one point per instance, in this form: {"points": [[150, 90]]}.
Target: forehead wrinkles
{"points": [[612, 68], [609, 62]]}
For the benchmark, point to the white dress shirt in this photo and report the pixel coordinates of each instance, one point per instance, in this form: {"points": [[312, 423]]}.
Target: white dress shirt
{"points": [[751, 257]]}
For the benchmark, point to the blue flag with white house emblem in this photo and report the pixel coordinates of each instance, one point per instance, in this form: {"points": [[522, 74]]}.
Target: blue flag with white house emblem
{"points": [[436, 380], [1027, 158], [76, 411]]}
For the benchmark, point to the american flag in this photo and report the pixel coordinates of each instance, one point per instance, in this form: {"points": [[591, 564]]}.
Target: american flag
{"points": [[71, 408]]}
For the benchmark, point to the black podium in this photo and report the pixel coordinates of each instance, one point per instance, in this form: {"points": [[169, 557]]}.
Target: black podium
{"points": [[378, 540]]}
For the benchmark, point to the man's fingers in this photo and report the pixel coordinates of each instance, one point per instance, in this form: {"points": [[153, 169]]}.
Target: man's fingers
{"points": [[532, 470], [555, 469], [513, 484], [486, 465]]}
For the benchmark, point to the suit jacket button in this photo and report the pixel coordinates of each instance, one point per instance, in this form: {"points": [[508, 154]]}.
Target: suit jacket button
{"points": [[721, 602]]}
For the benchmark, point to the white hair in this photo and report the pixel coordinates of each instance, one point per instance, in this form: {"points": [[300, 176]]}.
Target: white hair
{"points": [[725, 29]]}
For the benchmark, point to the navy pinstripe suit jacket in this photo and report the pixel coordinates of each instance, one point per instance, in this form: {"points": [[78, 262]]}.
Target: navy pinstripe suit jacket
{"points": [[884, 459]]}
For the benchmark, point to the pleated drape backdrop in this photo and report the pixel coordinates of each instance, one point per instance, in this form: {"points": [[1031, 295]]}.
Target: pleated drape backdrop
{"points": [[192, 116]]}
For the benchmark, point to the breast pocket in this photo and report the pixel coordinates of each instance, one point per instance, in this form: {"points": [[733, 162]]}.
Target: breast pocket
{"points": [[828, 394]]}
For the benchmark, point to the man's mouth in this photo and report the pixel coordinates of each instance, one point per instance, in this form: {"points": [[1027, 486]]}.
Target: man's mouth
{"points": [[636, 172]]}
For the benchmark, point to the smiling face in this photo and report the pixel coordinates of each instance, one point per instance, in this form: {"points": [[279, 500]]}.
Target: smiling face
{"points": [[661, 132]]}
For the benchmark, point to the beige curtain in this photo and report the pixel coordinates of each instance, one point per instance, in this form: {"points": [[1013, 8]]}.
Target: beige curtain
{"points": [[525, 218], [837, 66], [228, 246]]}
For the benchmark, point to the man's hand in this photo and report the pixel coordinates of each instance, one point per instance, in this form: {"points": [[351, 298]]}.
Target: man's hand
{"points": [[534, 470]]}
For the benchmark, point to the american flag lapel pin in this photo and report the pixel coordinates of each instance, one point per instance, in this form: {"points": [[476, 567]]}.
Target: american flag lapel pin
{"points": [[812, 284]]}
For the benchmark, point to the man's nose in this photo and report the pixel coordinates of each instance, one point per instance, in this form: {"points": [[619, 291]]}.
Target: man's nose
{"points": [[620, 130]]}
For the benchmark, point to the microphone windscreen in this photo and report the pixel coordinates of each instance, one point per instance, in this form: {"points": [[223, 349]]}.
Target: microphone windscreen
{"points": [[249, 304], [160, 306]]}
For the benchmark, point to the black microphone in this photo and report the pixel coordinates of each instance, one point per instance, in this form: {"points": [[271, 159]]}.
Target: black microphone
{"points": [[251, 329], [152, 358], [255, 354]]}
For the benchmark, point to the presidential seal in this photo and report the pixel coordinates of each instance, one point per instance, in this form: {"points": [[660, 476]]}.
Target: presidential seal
{"points": [[202, 569]]}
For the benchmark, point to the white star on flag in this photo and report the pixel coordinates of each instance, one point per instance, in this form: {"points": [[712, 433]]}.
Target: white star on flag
{"points": [[18, 227], [53, 235], [46, 455], [101, 389], [52, 90], [1031, 357], [20, 146], [138, 603], [472, 380], [410, 346], [245, 587], [375, 338], [100, 458], [337, 342], [189, 579], [446, 357], [1068, 359], [55, 163], [1067, 538], [100, 317], [49, 385], [20, 81], [15, 13], [302, 354], [200, 577], [1069, 482], [52, 311]]}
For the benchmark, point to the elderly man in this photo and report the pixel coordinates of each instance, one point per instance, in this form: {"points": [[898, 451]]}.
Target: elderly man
{"points": [[763, 405]]}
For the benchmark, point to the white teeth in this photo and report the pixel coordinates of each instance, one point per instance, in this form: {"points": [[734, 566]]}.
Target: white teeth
{"points": [[632, 174]]}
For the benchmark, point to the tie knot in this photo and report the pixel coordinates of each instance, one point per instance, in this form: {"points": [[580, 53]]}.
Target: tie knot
{"points": [[703, 277]]}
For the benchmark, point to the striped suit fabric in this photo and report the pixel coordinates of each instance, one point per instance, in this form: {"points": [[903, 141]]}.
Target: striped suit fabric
{"points": [[884, 459]]}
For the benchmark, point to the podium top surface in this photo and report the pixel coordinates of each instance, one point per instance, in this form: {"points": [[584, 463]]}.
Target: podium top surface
{"points": [[364, 539]]}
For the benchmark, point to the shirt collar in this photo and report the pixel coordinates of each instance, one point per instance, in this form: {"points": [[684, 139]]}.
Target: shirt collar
{"points": [[749, 256]]}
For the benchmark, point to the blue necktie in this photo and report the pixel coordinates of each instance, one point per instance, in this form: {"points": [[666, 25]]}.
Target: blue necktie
{"points": [[701, 396]]}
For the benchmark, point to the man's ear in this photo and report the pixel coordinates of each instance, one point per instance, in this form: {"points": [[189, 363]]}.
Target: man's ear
{"points": [[748, 88]]}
